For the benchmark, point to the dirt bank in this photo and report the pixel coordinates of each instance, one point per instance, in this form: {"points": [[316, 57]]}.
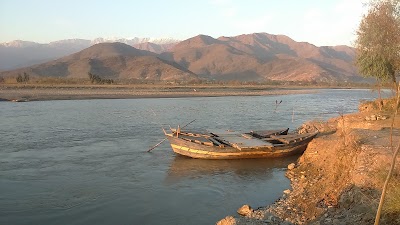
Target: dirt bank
{"points": [[339, 177], [36, 93]]}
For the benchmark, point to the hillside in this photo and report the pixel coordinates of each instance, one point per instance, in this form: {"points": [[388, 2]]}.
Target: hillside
{"points": [[213, 59], [264, 56], [248, 57], [109, 60]]}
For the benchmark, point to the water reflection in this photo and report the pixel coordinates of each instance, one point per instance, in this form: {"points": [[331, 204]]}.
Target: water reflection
{"points": [[183, 168]]}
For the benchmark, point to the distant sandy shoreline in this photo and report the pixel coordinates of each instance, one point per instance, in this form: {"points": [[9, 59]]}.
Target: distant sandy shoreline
{"points": [[78, 93]]}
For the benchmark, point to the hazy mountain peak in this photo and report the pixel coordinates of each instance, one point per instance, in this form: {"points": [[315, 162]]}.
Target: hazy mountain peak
{"points": [[109, 49], [18, 53], [205, 39], [19, 44], [134, 40], [197, 41], [70, 41], [129, 41], [165, 40]]}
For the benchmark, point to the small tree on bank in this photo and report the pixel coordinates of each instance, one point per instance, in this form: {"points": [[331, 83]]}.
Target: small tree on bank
{"points": [[378, 41], [22, 79], [19, 78], [378, 55]]}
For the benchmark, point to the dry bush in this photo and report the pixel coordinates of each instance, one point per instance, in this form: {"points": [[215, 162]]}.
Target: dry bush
{"points": [[386, 105], [58, 80], [317, 125], [9, 80]]}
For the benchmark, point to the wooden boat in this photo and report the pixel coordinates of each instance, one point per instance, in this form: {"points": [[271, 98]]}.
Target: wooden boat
{"points": [[226, 144]]}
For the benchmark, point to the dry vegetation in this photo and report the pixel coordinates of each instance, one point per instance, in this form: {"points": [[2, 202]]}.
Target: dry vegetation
{"points": [[392, 203]]}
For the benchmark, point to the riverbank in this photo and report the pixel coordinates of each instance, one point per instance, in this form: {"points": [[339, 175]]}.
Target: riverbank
{"points": [[338, 179], [77, 92]]}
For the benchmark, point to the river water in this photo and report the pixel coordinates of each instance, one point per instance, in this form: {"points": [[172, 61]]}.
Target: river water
{"points": [[85, 161]]}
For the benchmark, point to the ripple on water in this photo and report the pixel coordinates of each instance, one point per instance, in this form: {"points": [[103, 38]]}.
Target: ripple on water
{"points": [[85, 162]]}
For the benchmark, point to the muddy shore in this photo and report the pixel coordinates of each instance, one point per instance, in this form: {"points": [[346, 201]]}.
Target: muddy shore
{"points": [[339, 178], [40, 93]]}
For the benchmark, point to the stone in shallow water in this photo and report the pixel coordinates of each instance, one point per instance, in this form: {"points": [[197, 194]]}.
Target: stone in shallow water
{"points": [[229, 220], [245, 210], [291, 166]]}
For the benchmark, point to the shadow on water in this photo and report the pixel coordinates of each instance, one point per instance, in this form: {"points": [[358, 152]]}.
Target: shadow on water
{"points": [[183, 168]]}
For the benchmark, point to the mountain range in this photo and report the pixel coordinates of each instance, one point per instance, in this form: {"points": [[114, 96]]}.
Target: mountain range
{"points": [[249, 57], [17, 54]]}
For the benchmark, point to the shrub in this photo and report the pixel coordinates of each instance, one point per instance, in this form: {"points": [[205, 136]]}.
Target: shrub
{"points": [[22, 79], [95, 79]]}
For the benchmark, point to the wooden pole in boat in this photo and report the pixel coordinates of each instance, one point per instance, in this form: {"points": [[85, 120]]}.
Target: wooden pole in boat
{"points": [[159, 143], [178, 131], [277, 104], [155, 146]]}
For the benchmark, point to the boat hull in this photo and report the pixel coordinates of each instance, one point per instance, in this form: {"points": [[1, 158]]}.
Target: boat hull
{"points": [[198, 151]]}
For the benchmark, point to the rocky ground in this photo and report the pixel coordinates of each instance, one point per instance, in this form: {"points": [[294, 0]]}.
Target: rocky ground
{"points": [[339, 178]]}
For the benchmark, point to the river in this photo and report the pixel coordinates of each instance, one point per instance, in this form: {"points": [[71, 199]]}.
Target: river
{"points": [[85, 161]]}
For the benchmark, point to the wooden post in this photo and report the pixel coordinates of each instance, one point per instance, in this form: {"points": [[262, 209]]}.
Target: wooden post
{"points": [[178, 131]]}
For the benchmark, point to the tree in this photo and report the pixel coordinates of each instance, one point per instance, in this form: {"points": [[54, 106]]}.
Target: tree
{"points": [[26, 77], [378, 41], [19, 78], [378, 55]]}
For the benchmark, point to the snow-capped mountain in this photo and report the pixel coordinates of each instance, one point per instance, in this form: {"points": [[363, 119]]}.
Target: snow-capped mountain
{"points": [[128, 41], [71, 41], [19, 44], [135, 40]]}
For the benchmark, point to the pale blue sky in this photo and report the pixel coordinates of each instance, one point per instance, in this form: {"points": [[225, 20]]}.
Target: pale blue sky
{"points": [[320, 22]]}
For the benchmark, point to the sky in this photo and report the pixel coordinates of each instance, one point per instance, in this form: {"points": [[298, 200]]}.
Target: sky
{"points": [[320, 22]]}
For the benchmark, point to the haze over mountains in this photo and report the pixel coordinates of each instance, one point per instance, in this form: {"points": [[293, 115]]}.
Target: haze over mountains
{"points": [[16, 54], [250, 57]]}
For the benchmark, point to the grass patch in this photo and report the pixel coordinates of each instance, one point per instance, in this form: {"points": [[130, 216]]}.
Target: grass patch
{"points": [[391, 206], [392, 202]]}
